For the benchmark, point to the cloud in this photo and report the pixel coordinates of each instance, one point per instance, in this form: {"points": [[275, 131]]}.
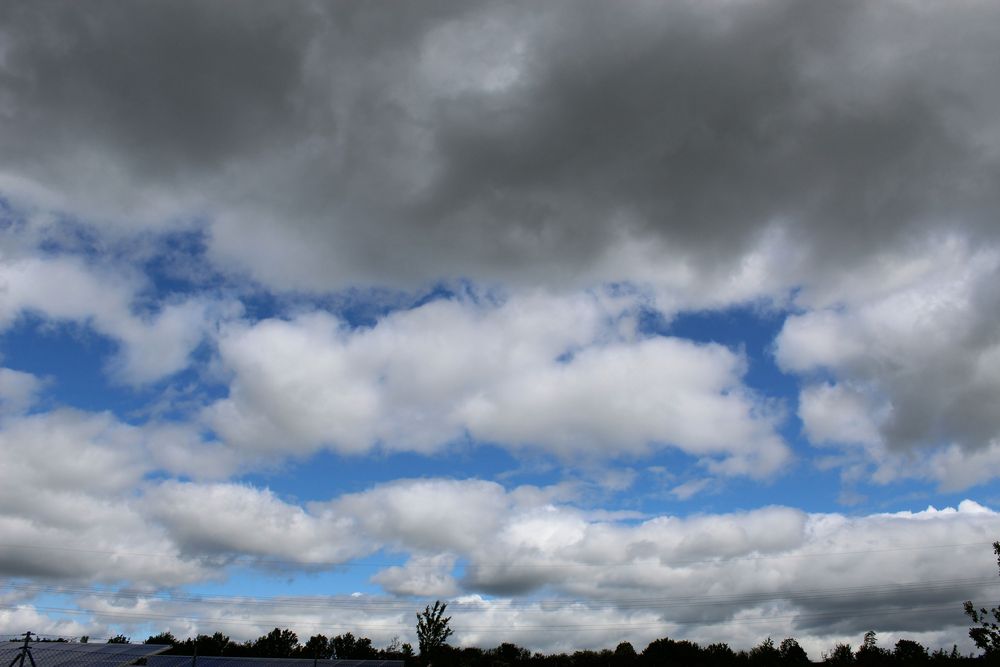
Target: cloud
{"points": [[428, 515], [234, 520], [356, 145], [75, 496], [838, 414], [82, 452], [425, 576], [67, 289], [14, 618], [911, 355], [18, 390], [576, 168], [735, 576], [690, 488], [736, 155], [956, 468], [568, 376], [513, 542], [67, 489], [179, 448]]}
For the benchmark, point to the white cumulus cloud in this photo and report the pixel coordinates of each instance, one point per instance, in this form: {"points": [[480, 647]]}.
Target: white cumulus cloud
{"points": [[565, 375]]}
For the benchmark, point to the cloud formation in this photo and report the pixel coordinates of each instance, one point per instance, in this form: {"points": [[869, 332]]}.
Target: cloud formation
{"points": [[353, 144], [775, 569], [67, 491], [64, 289], [569, 376], [549, 219], [752, 151], [912, 357]]}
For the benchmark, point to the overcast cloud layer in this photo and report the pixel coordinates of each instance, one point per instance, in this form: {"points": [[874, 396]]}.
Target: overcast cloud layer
{"points": [[462, 300], [330, 146]]}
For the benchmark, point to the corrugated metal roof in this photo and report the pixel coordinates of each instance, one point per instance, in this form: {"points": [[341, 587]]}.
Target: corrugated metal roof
{"points": [[65, 654], [216, 661]]}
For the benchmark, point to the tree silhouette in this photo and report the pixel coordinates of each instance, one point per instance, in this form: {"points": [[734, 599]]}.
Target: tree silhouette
{"points": [[840, 655], [396, 650], [987, 635], [317, 647], [909, 652], [510, 654], [214, 644], [625, 651], [162, 638], [765, 654], [666, 651], [349, 647], [432, 628], [276, 644], [792, 653], [869, 652], [718, 653]]}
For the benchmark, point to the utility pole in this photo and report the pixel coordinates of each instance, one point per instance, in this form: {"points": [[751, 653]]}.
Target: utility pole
{"points": [[25, 651]]}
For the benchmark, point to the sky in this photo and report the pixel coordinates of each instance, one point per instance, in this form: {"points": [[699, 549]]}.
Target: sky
{"points": [[600, 321]]}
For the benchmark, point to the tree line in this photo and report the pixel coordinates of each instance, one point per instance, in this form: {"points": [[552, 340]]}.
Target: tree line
{"points": [[284, 643]]}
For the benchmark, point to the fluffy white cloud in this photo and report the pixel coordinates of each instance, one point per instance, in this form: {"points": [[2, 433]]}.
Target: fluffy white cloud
{"points": [[423, 576], [18, 390], [75, 498], [179, 449], [567, 375], [94, 454], [518, 540], [14, 618], [431, 514], [913, 345], [838, 414], [956, 468], [66, 289], [68, 504], [230, 519]]}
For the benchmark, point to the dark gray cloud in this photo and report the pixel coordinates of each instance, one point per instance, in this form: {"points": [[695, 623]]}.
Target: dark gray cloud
{"points": [[160, 90], [340, 144]]}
